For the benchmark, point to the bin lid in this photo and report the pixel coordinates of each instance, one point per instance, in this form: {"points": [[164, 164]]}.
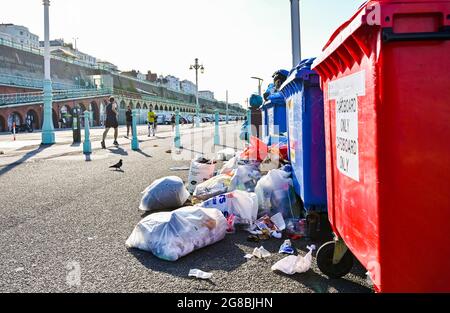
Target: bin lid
{"points": [[302, 70], [275, 99]]}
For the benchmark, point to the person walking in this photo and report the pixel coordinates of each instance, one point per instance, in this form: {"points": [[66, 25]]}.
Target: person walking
{"points": [[129, 118], [172, 121], [111, 121], [151, 118]]}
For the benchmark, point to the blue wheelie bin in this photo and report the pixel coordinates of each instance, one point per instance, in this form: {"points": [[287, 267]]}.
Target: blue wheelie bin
{"points": [[274, 121], [305, 120]]}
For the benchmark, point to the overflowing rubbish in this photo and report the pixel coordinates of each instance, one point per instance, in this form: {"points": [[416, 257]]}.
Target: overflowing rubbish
{"points": [[172, 235], [164, 193], [229, 166], [295, 264], [246, 177], [256, 151], [267, 227], [199, 274], [230, 223], [276, 194], [243, 205], [214, 186], [226, 154], [296, 228], [286, 248], [200, 171]]}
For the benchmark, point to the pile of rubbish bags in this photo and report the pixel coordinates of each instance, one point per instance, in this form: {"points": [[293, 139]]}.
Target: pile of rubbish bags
{"points": [[240, 194]]}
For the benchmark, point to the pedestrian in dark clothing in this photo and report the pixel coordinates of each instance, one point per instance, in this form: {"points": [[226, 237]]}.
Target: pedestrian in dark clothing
{"points": [[172, 121], [111, 121], [129, 117]]}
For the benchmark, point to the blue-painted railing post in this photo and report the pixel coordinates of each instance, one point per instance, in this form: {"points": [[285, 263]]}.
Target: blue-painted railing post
{"points": [[177, 138], [249, 125], [216, 132], [87, 147], [135, 141]]}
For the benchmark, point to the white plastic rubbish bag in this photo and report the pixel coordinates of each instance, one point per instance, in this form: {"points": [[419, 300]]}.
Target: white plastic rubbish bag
{"points": [[226, 154], [212, 187], [242, 204], [198, 173], [276, 195], [295, 264], [245, 178], [172, 235], [229, 166], [164, 193]]}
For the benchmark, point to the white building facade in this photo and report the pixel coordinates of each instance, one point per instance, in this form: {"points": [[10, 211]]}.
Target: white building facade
{"points": [[188, 87], [206, 94], [19, 34]]}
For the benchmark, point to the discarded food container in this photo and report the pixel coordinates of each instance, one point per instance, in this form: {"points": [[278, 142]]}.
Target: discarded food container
{"points": [[304, 107], [385, 76]]}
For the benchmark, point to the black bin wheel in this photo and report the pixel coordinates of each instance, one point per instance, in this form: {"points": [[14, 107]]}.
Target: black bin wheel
{"points": [[325, 261]]}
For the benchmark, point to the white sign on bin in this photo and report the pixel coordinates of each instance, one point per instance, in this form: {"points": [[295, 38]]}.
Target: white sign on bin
{"points": [[347, 136], [346, 91]]}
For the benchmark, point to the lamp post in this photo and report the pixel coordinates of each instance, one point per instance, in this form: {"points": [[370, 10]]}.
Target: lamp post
{"points": [[48, 131], [227, 109], [75, 40], [295, 26], [197, 67], [260, 80]]}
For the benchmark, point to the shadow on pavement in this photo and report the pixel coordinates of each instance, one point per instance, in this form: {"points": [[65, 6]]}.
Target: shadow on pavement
{"points": [[210, 258], [118, 151], [144, 154], [23, 159]]}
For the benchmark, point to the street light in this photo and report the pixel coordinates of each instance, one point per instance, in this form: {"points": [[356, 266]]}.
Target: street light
{"points": [[197, 67], [48, 131], [260, 80], [75, 40]]}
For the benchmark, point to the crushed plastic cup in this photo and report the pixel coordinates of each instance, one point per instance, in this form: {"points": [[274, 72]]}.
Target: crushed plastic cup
{"points": [[199, 274], [278, 220]]}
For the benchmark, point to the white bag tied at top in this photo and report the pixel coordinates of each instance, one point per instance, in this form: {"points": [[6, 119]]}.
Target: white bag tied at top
{"points": [[172, 235], [164, 193]]}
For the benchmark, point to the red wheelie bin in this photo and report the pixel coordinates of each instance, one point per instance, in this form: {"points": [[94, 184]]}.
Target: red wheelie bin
{"points": [[386, 81]]}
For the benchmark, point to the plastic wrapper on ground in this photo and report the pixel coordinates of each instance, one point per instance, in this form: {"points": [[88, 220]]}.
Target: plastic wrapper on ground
{"points": [[295, 264], [172, 235], [163, 194]]}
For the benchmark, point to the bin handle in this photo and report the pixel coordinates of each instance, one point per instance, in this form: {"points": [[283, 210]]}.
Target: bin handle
{"points": [[389, 35]]}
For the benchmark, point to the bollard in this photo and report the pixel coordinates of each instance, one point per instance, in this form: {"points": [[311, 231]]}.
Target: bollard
{"points": [[14, 131], [135, 141], [216, 132], [87, 147], [177, 138], [249, 125]]}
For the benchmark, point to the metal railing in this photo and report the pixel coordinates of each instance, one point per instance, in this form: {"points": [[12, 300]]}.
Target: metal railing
{"points": [[38, 97], [27, 82]]}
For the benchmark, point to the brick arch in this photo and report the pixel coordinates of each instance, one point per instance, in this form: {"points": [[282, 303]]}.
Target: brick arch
{"points": [[123, 105], [145, 106], [138, 106], [34, 118], [95, 112], [15, 116], [55, 118], [132, 104], [2, 124], [156, 108]]}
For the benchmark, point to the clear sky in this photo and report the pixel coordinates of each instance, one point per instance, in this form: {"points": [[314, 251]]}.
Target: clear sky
{"points": [[234, 39]]}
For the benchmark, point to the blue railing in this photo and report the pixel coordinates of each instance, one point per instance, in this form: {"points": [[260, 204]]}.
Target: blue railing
{"points": [[38, 97]]}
